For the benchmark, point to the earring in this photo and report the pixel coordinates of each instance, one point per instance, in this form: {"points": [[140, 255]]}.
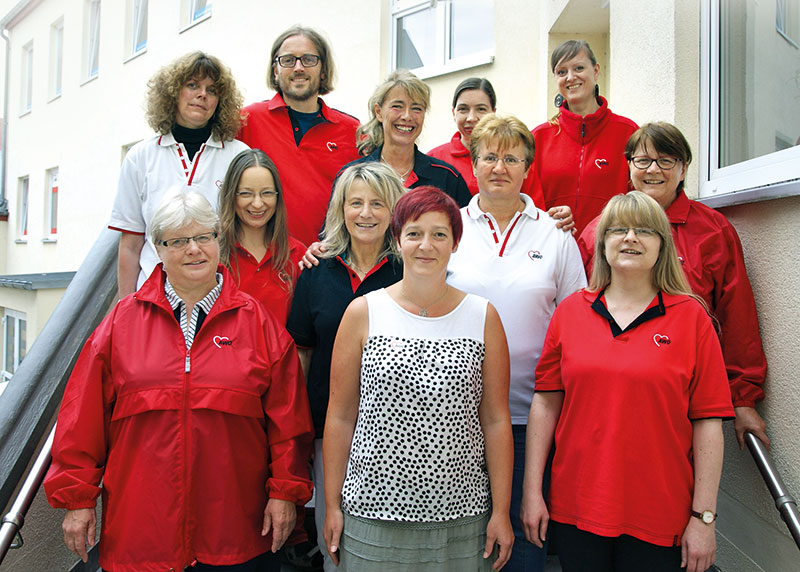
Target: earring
{"points": [[596, 90], [559, 100]]}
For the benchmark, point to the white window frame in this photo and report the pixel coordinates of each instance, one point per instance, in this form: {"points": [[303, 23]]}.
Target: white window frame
{"points": [[770, 176], [193, 12], [26, 83], [91, 42], [56, 58], [23, 200], [15, 317], [138, 14], [51, 204], [443, 15]]}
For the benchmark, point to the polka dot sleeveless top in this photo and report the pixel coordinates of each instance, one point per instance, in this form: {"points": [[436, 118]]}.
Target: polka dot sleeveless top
{"points": [[418, 448]]}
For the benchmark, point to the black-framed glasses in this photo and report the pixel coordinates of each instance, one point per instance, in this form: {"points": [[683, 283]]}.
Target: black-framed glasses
{"points": [[288, 61], [250, 195], [621, 231], [643, 163], [183, 242], [509, 160]]}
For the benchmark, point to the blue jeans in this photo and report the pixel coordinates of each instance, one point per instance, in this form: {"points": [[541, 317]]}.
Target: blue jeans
{"points": [[526, 556]]}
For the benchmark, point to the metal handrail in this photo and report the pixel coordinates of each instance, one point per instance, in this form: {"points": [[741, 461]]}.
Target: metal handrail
{"points": [[784, 502], [15, 518]]}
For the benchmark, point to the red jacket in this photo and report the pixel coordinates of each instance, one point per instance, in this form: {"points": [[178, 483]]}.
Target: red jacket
{"points": [[307, 170], [712, 259], [458, 156], [188, 444], [581, 161]]}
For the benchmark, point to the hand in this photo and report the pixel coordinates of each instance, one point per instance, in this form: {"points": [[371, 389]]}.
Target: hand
{"points": [[313, 252], [80, 527], [748, 419], [280, 516], [332, 532], [698, 546], [499, 532], [563, 217], [535, 518]]}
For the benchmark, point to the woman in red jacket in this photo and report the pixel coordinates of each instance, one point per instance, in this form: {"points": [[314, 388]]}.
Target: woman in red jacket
{"points": [[579, 153], [186, 410]]}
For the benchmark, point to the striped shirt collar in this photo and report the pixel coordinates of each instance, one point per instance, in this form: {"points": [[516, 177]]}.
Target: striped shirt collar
{"points": [[189, 323]]}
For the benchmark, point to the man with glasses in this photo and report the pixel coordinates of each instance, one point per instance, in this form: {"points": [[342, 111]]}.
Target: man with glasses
{"points": [[308, 141]]}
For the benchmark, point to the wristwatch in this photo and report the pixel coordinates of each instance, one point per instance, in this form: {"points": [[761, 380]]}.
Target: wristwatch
{"points": [[706, 516]]}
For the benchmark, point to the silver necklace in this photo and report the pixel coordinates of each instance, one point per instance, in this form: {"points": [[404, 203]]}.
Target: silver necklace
{"points": [[404, 175], [424, 310]]}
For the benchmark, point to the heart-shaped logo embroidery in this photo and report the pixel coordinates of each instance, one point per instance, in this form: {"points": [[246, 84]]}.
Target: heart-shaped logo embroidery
{"points": [[660, 339], [220, 341], [331, 146], [600, 163], [534, 255]]}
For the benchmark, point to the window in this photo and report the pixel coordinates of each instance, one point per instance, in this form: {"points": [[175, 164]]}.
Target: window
{"points": [[56, 57], [14, 342], [431, 38], [91, 43], [787, 20], [194, 11], [22, 209], [137, 27], [26, 98], [750, 85], [51, 202]]}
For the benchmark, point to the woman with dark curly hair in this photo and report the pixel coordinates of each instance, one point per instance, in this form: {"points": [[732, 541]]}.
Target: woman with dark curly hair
{"points": [[193, 104], [255, 243]]}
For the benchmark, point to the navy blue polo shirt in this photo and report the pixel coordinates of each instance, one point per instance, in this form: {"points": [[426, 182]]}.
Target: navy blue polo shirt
{"points": [[321, 296]]}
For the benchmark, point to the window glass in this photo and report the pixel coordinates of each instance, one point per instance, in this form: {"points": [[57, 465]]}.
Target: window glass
{"points": [[9, 338], [416, 39], [27, 77], [471, 25], [93, 46], [139, 26], [22, 208], [56, 57], [759, 81], [52, 201]]}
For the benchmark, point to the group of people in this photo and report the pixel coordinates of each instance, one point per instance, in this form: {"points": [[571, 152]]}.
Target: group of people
{"points": [[466, 379]]}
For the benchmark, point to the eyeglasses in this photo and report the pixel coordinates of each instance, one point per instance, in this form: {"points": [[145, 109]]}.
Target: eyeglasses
{"points": [[183, 242], [509, 160], [288, 61], [665, 163], [621, 231], [250, 195]]}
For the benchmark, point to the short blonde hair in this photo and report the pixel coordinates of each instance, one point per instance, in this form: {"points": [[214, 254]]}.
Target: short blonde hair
{"points": [[383, 181], [506, 130]]}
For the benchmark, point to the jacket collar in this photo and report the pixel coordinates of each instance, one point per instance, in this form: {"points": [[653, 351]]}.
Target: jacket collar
{"points": [[678, 211], [592, 124], [152, 291]]}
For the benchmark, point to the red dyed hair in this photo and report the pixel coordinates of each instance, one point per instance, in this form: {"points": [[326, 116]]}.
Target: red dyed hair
{"points": [[425, 199]]}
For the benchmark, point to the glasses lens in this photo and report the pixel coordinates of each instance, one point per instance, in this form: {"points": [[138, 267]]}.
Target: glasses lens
{"points": [[309, 60], [268, 195], [286, 61], [247, 195], [642, 162], [666, 163]]}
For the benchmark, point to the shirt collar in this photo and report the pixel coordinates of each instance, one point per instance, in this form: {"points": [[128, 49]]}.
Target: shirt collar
{"points": [[278, 102], [206, 303], [168, 139]]}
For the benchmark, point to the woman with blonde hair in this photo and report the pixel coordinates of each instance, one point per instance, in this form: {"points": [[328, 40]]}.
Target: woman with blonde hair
{"points": [[631, 388], [358, 258], [396, 115], [255, 242], [579, 152], [193, 105]]}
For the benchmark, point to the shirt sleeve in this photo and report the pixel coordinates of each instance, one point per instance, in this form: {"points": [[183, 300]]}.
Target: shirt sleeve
{"points": [[548, 369], [300, 323], [735, 309], [289, 428], [709, 395], [81, 439], [126, 214]]}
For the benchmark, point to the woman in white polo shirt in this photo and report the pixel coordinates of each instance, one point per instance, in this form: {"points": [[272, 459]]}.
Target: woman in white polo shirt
{"points": [[512, 253], [194, 106]]}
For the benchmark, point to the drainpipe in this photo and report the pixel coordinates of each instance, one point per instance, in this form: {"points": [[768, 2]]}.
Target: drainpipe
{"points": [[4, 134]]}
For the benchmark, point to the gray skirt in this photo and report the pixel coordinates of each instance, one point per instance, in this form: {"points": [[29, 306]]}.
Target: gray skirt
{"points": [[396, 546]]}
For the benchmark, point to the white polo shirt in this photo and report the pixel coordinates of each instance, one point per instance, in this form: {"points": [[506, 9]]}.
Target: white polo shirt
{"points": [[153, 167], [524, 272]]}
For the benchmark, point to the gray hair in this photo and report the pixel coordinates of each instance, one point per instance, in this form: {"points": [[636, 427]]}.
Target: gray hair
{"points": [[383, 181], [178, 209]]}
